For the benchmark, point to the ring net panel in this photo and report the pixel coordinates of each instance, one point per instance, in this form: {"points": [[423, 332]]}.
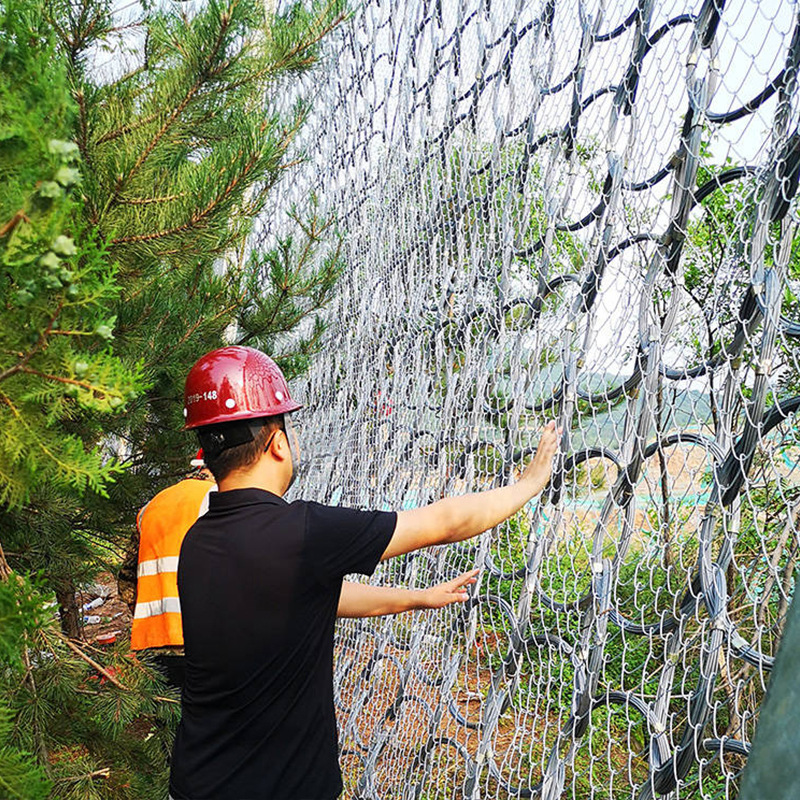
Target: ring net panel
{"points": [[581, 211]]}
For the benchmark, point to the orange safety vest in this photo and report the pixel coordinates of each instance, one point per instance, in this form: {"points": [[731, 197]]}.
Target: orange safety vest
{"points": [[162, 524]]}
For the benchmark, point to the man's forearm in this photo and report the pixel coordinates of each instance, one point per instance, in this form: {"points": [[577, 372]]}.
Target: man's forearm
{"points": [[468, 515], [363, 600], [457, 518]]}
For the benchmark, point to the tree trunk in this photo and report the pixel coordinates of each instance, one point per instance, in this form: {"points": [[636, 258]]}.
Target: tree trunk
{"points": [[68, 611], [5, 570]]}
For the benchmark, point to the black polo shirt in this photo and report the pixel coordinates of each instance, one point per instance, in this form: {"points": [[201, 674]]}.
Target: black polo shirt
{"points": [[259, 581]]}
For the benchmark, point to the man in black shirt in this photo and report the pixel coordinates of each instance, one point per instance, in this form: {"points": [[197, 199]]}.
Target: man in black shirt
{"points": [[260, 581]]}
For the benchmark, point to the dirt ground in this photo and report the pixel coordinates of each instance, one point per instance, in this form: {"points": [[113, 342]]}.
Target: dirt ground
{"points": [[115, 617]]}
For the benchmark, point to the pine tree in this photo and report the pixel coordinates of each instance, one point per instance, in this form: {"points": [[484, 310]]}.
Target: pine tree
{"points": [[59, 378], [125, 248], [184, 150], [177, 157]]}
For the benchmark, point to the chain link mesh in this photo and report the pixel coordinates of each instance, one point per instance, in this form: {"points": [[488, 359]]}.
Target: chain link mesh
{"points": [[583, 211]]}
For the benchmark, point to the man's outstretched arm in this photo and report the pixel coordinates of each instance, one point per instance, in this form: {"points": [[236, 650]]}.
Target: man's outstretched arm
{"points": [[362, 600], [457, 518]]}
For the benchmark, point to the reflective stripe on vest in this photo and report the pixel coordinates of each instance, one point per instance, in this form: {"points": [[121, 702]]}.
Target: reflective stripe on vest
{"points": [[156, 565], [162, 524], [166, 605]]}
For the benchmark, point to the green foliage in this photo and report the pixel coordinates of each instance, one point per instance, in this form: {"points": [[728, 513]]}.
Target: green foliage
{"points": [[100, 731], [32, 101], [20, 777], [177, 160], [715, 255], [54, 540], [127, 249], [22, 612], [185, 150], [56, 283]]}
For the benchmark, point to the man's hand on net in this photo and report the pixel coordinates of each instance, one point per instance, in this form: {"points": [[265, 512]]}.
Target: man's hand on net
{"points": [[453, 591], [537, 473]]}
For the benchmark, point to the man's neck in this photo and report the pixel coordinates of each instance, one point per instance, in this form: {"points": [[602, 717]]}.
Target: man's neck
{"points": [[252, 480]]}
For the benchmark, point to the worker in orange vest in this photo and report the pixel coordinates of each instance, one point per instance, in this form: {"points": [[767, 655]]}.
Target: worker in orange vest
{"points": [[147, 580], [161, 527]]}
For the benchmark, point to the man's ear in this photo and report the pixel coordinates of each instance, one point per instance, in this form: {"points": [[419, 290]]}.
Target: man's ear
{"points": [[277, 446], [282, 442]]}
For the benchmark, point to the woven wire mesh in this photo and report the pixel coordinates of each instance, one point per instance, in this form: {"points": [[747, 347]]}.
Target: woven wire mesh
{"points": [[582, 211]]}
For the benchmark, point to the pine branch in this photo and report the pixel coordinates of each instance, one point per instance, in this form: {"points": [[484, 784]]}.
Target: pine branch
{"points": [[89, 660], [317, 38], [178, 109], [144, 201], [40, 344], [277, 66], [124, 130], [40, 742], [78, 42], [224, 312], [5, 569], [98, 773], [238, 179], [77, 469], [90, 387], [83, 128], [13, 222], [198, 217], [291, 164]]}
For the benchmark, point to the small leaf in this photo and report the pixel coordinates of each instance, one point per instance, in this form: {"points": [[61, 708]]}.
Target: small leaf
{"points": [[105, 330], [67, 176], [64, 246], [50, 189], [67, 151], [50, 261]]}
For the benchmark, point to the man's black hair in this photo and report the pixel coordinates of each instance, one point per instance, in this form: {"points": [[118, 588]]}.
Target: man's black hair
{"points": [[236, 445]]}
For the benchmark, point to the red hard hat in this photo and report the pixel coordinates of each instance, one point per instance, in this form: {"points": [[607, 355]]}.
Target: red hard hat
{"points": [[234, 383]]}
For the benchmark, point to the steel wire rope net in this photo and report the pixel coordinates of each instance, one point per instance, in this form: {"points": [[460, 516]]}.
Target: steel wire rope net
{"points": [[582, 211]]}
